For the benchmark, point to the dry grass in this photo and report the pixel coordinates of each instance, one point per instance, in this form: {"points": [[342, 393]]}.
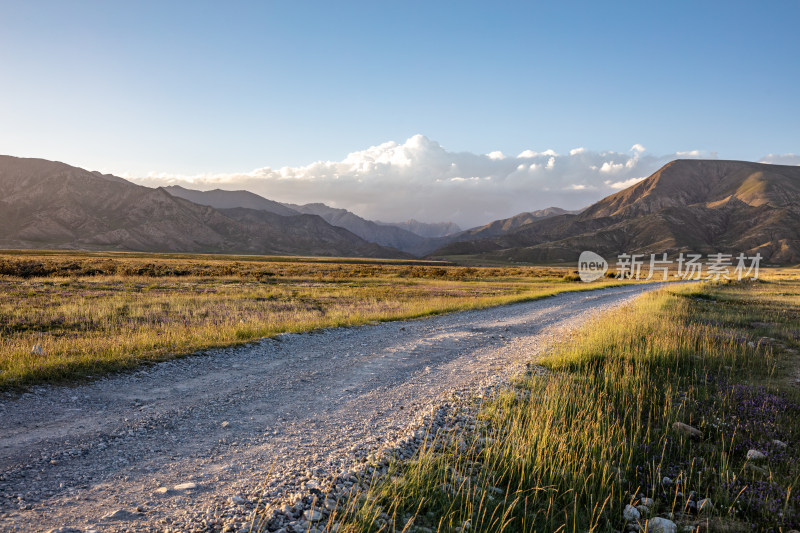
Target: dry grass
{"points": [[65, 315]]}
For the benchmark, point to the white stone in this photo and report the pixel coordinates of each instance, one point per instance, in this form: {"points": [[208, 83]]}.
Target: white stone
{"points": [[631, 514], [661, 525], [705, 505], [755, 455], [119, 514]]}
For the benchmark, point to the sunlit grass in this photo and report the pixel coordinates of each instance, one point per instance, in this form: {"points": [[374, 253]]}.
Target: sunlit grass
{"points": [[117, 311], [567, 451]]}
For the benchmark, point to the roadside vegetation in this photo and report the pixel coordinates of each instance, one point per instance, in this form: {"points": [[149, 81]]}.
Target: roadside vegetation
{"points": [[67, 315], [678, 413]]}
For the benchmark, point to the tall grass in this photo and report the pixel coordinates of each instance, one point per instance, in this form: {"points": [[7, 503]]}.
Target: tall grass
{"points": [[567, 451]]}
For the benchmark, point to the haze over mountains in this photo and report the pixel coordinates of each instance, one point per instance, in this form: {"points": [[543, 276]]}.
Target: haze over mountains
{"points": [[697, 206], [383, 234]]}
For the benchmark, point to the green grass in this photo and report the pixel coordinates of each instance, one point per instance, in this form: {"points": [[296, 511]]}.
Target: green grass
{"points": [[66, 316], [568, 451]]}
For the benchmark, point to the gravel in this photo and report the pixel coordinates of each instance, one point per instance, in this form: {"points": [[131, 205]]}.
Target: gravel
{"points": [[205, 442]]}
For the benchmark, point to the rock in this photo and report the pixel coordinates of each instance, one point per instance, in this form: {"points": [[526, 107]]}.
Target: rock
{"points": [[647, 502], [631, 514], [254, 526], [643, 509], [161, 491], [687, 430], [661, 525], [185, 487], [779, 443], [299, 527], [755, 455], [238, 500], [65, 530], [705, 505], [666, 481], [313, 516], [120, 514], [756, 469], [225, 424]]}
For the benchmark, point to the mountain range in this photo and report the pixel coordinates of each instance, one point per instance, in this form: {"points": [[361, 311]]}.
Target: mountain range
{"points": [[46, 204], [701, 206]]}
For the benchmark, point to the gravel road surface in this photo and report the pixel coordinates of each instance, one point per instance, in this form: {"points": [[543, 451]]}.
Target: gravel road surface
{"points": [[169, 446]]}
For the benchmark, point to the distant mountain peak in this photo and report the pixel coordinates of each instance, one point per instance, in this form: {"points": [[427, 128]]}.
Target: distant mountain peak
{"points": [[425, 229]]}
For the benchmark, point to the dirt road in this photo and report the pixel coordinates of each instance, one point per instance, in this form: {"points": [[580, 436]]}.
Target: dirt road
{"points": [[171, 445]]}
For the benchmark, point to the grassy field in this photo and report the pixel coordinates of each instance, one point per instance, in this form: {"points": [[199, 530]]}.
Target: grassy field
{"points": [[569, 450], [67, 315]]}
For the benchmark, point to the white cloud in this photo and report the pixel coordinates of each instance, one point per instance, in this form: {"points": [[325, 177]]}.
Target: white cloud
{"points": [[624, 184], [638, 148], [690, 153], [609, 167], [576, 151], [420, 179], [781, 159]]}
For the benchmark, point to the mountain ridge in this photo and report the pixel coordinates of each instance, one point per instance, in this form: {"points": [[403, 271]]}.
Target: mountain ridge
{"points": [[704, 206], [49, 204], [222, 199]]}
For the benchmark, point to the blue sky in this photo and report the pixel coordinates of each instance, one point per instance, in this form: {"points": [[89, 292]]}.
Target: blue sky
{"points": [[191, 88]]}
